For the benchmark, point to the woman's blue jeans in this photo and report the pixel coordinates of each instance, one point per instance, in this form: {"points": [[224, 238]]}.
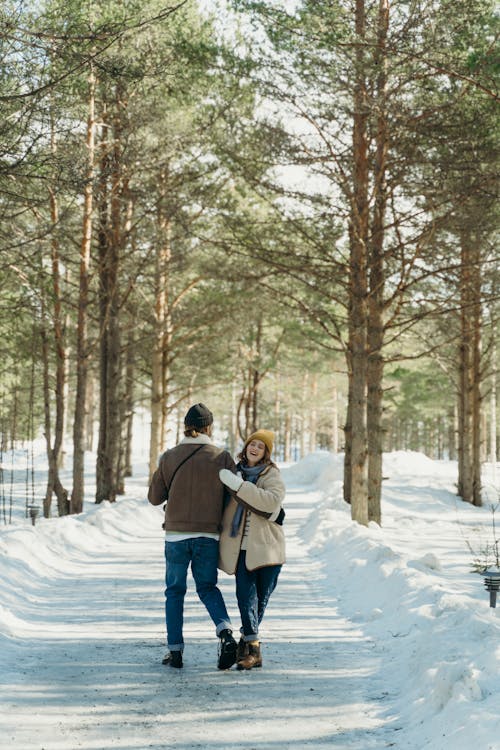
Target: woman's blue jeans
{"points": [[203, 554], [253, 589]]}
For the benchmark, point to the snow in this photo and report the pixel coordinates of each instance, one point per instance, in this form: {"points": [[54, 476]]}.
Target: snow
{"points": [[375, 637]]}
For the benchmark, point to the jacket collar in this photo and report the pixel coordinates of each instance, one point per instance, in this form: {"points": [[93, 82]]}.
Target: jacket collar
{"points": [[200, 440]]}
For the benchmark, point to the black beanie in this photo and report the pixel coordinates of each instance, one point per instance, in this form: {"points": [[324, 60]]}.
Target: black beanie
{"points": [[198, 416]]}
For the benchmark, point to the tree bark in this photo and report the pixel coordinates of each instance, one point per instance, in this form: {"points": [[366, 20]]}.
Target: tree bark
{"points": [[103, 241], [110, 246], [90, 409], [233, 426], [287, 438], [358, 282], [347, 484], [128, 402], [54, 446], [465, 438], [313, 415], [476, 375], [54, 485], [162, 333], [61, 366], [452, 434], [493, 415], [335, 420], [303, 409], [255, 379], [82, 353], [375, 367], [278, 443]]}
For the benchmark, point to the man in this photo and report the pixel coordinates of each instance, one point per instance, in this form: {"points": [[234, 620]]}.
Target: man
{"points": [[187, 479]]}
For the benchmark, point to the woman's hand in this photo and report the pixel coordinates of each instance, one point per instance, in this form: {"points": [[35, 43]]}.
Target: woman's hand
{"points": [[231, 480]]}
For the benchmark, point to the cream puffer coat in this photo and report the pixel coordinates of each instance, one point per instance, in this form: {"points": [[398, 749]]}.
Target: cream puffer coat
{"points": [[266, 540]]}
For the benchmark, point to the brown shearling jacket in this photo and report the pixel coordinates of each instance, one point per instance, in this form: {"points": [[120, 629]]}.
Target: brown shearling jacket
{"points": [[195, 497]]}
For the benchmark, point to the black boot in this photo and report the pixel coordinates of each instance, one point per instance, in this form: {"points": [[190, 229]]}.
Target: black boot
{"points": [[173, 659], [227, 649]]}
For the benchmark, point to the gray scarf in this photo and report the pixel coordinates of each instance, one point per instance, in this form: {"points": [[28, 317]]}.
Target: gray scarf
{"points": [[250, 474]]}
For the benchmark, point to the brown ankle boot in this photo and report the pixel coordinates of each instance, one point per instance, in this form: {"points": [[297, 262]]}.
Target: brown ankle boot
{"points": [[254, 657], [242, 650]]}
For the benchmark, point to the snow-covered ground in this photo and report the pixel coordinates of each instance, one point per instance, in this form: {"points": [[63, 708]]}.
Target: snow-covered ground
{"points": [[374, 638]]}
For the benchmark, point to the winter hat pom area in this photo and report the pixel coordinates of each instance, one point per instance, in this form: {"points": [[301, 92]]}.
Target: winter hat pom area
{"points": [[267, 437], [198, 416]]}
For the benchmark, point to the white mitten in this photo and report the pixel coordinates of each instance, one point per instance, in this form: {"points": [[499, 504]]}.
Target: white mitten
{"points": [[230, 480]]}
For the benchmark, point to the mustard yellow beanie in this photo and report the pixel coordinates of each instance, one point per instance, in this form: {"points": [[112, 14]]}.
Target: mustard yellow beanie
{"points": [[267, 437]]}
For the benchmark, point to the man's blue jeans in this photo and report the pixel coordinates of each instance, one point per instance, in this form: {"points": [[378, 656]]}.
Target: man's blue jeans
{"points": [[253, 589], [203, 554]]}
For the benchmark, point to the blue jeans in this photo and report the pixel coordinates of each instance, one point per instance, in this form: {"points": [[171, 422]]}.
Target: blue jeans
{"points": [[253, 589], [203, 554]]}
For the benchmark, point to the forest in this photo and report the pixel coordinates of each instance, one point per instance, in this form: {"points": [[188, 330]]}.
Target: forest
{"points": [[286, 210]]}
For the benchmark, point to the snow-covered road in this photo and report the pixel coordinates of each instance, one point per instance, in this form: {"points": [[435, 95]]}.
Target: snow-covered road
{"points": [[84, 668], [376, 637]]}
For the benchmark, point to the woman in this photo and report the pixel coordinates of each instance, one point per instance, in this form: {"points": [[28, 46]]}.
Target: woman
{"points": [[252, 543]]}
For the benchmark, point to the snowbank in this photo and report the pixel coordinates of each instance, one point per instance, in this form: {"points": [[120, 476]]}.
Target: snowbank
{"points": [[410, 586]]}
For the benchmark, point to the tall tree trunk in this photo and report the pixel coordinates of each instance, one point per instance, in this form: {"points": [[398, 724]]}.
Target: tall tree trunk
{"points": [[47, 502], [255, 379], [375, 368], [346, 488], [128, 402], [61, 359], [313, 415], [465, 438], [66, 391], [110, 245], [162, 333], [440, 438], [287, 438], [358, 284], [114, 363], [157, 377], [335, 420], [54, 485], [303, 409], [233, 427], [82, 353], [243, 410], [254, 400], [277, 414], [113, 390], [90, 409], [493, 415], [452, 433], [54, 446], [476, 374], [248, 407], [103, 242]]}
